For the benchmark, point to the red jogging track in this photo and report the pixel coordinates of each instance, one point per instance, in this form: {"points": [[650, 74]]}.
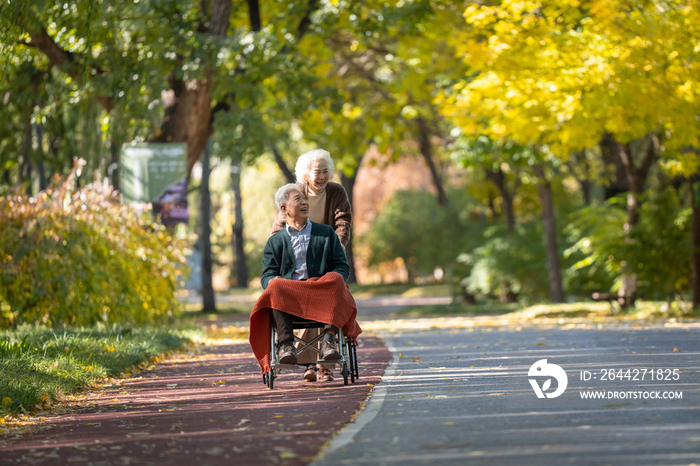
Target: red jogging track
{"points": [[211, 411]]}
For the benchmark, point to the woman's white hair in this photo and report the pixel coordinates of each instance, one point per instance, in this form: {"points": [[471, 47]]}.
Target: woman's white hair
{"points": [[282, 194], [303, 165]]}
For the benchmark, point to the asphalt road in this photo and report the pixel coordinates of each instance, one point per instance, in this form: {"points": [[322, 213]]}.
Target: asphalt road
{"points": [[463, 396]]}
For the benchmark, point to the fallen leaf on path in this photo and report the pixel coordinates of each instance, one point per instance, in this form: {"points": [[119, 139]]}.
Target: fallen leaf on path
{"points": [[676, 350], [497, 394], [541, 344], [447, 423]]}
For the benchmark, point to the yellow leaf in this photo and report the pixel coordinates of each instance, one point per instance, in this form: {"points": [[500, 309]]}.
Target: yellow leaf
{"points": [[448, 423], [676, 350], [7, 401], [541, 344]]}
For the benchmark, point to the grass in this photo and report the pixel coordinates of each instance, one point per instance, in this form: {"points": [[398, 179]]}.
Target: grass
{"points": [[436, 310], [406, 290], [585, 310], [38, 364], [194, 310]]}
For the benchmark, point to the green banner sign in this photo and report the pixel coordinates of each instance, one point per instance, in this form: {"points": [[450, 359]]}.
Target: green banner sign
{"points": [[156, 173]]}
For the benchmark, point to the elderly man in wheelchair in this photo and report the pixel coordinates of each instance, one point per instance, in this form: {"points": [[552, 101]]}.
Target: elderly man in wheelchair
{"points": [[304, 273]]}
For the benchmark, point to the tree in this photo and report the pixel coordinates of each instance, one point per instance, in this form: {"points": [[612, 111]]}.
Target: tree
{"points": [[557, 76], [386, 61], [179, 54]]}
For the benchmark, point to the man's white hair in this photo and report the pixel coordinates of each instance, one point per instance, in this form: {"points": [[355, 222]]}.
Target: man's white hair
{"points": [[282, 194], [303, 165]]}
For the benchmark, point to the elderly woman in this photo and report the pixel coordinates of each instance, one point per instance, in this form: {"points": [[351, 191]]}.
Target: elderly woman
{"points": [[328, 204]]}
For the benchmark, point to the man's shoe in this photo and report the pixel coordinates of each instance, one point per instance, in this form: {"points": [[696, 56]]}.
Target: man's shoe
{"points": [[287, 353], [310, 374], [328, 351]]}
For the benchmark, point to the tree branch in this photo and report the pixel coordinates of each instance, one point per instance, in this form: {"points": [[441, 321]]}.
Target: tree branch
{"points": [[59, 57], [306, 20], [427, 152], [280, 162]]}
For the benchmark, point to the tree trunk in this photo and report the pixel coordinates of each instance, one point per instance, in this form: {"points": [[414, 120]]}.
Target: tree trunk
{"points": [[498, 178], [636, 177], [586, 188], [41, 170], [611, 157], [208, 301], [26, 165], [113, 168], [239, 260], [280, 163], [580, 168], [426, 149], [695, 247], [187, 116], [556, 290]]}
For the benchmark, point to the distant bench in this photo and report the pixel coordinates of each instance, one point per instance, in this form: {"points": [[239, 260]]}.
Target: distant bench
{"points": [[623, 301]]}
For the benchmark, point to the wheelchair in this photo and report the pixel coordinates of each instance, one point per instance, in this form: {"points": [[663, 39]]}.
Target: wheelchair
{"points": [[346, 348]]}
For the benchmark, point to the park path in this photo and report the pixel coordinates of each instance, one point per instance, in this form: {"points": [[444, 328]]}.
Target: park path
{"points": [[458, 393], [205, 409]]}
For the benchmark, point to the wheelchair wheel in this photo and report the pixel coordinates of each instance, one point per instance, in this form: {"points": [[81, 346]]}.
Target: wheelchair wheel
{"points": [[356, 368], [352, 362], [345, 373], [270, 376]]}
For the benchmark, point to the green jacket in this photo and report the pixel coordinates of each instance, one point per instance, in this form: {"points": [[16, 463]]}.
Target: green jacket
{"points": [[325, 254]]}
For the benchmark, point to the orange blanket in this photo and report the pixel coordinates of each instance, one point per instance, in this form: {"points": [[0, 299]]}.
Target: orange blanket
{"points": [[326, 299]]}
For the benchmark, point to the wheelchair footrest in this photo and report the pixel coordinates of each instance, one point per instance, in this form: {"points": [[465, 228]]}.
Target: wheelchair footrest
{"points": [[329, 364], [287, 367]]}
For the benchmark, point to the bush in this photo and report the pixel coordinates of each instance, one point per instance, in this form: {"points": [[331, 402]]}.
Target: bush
{"points": [[79, 256], [656, 249], [426, 236], [513, 262]]}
